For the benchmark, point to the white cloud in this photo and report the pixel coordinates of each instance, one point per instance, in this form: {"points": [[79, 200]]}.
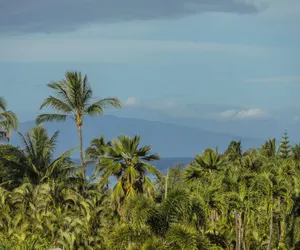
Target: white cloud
{"points": [[164, 107], [131, 101], [110, 50], [228, 113], [297, 118], [276, 79], [252, 113], [177, 109]]}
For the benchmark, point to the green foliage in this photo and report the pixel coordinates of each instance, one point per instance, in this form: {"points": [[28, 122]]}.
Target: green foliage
{"points": [[220, 201], [235, 200], [10, 173], [35, 162]]}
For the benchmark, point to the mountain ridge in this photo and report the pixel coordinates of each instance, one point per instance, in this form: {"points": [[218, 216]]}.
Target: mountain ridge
{"points": [[167, 139]]}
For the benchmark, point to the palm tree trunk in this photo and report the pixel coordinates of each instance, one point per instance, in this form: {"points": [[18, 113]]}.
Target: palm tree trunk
{"points": [[292, 232], [271, 226], [8, 136], [83, 167], [237, 232], [291, 223], [243, 231], [166, 184], [279, 224]]}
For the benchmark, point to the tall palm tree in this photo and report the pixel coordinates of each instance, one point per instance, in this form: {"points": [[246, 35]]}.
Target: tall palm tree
{"points": [[73, 99], [207, 169], [8, 121], [128, 163]]}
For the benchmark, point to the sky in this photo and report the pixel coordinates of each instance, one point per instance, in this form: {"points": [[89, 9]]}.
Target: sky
{"points": [[183, 57]]}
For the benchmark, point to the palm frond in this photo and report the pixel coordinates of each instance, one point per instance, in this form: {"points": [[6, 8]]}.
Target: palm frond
{"points": [[98, 106], [9, 119], [57, 104], [59, 162], [2, 103], [62, 93], [50, 118], [3, 135]]}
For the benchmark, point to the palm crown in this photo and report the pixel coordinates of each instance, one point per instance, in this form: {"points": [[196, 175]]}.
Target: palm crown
{"points": [[125, 160], [39, 150]]}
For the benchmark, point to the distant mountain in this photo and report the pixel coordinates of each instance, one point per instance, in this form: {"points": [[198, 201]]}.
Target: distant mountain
{"points": [[271, 126], [167, 139]]}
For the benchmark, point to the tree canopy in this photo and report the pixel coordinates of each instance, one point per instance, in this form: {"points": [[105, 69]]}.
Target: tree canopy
{"points": [[240, 199]]}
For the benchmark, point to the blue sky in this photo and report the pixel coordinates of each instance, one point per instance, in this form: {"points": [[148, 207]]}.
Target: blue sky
{"points": [[241, 55]]}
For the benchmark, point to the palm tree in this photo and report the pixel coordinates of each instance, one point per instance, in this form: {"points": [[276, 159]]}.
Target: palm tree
{"points": [[73, 99], [239, 199], [209, 161], [206, 169], [37, 158], [126, 161], [95, 152], [269, 149], [234, 152], [8, 121], [39, 151]]}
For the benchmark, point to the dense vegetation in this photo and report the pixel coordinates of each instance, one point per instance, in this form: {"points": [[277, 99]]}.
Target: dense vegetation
{"points": [[232, 200]]}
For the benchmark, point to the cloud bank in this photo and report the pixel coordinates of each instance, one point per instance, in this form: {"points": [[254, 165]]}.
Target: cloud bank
{"points": [[177, 109], [130, 102], [65, 15], [95, 50], [252, 113]]}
